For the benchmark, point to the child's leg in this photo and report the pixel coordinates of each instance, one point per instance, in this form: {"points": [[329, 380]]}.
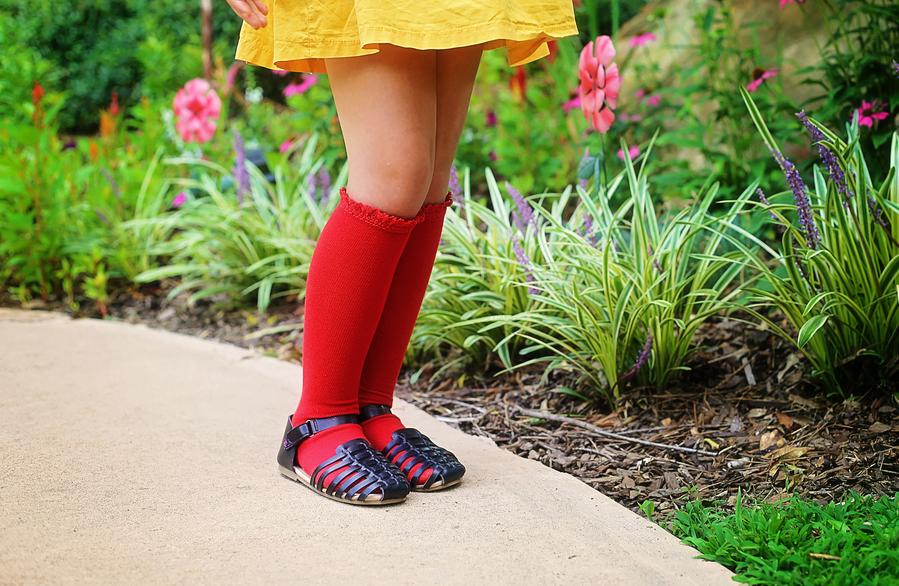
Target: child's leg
{"points": [[386, 106], [456, 71]]}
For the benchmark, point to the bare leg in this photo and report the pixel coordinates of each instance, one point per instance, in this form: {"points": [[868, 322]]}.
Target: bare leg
{"points": [[387, 106], [456, 72]]}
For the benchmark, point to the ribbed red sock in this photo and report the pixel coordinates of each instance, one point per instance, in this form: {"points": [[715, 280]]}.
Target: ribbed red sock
{"points": [[349, 279], [388, 346]]}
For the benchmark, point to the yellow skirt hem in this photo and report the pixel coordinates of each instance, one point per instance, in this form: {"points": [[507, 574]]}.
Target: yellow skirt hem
{"points": [[308, 54]]}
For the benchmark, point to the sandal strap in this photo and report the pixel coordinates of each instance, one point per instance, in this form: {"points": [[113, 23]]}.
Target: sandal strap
{"points": [[313, 426], [409, 448], [369, 411], [362, 471]]}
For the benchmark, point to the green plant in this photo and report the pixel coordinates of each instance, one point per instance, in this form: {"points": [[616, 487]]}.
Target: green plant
{"points": [[799, 542], [694, 104], [223, 245], [101, 46], [477, 280], [856, 66], [62, 206], [835, 277], [624, 299]]}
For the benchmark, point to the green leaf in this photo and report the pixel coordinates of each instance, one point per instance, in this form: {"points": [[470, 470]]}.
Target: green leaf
{"points": [[810, 328]]}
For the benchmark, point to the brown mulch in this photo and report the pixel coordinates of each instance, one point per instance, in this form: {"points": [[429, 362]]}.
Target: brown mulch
{"points": [[745, 399]]}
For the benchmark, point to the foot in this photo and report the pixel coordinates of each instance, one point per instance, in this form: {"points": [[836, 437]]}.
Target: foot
{"points": [[332, 456], [426, 466]]}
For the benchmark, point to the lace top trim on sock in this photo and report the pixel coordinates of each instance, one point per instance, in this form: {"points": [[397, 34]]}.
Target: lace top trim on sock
{"points": [[375, 216], [429, 211]]}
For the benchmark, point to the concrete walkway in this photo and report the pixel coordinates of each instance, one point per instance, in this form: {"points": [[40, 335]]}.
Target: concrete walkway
{"points": [[133, 455]]}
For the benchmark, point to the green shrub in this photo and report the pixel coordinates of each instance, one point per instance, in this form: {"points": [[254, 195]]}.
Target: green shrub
{"points": [[623, 298], [258, 246], [799, 542], [835, 276], [101, 46], [610, 295], [478, 281], [62, 208], [856, 66]]}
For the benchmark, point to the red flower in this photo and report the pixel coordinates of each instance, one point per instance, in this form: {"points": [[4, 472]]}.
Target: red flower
{"points": [[599, 83], [553, 47], [519, 81], [37, 93], [114, 103]]}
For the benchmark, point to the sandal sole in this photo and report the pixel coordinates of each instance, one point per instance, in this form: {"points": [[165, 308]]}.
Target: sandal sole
{"points": [[438, 487], [297, 475]]}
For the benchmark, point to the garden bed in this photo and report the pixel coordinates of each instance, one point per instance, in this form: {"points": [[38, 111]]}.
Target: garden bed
{"points": [[745, 399]]}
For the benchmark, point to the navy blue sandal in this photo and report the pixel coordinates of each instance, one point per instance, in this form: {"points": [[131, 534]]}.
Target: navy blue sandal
{"points": [[365, 478], [409, 448]]}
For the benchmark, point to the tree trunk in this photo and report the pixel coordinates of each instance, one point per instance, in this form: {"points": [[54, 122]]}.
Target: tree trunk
{"points": [[206, 15]]}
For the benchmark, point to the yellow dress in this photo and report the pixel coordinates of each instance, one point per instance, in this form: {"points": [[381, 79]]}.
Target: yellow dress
{"points": [[300, 34]]}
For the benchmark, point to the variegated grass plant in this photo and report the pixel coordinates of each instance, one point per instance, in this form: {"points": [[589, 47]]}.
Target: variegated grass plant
{"points": [[611, 295], [481, 272], [622, 296], [835, 276], [233, 245]]}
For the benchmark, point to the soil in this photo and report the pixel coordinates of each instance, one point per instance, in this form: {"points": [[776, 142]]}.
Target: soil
{"points": [[744, 417]]}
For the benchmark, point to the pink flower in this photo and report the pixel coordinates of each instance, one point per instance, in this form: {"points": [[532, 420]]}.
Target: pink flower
{"points": [[286, 146], [640, 94], [600, 83], [642, 39], [865, 119], [294, 89], [630, 117], [231, 77], [759, 77], [653, 100], [785, 2], [490, 118], [633, 152], [196, 107], [179, 200], [571, 104]]}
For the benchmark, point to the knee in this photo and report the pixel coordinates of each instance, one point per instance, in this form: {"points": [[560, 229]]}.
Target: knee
{"points": [[408, 177], [395, 182]]}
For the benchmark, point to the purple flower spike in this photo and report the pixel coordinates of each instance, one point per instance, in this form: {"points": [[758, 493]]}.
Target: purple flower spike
{"points": [[800, 196], [454, 181], [641, 361], [116, 191], [827, 157], [522, 257], [655, 261], [241, 175], [895, 68], [102, 217], [312, 185], [324, 181], [764, 200], [523, 214]]}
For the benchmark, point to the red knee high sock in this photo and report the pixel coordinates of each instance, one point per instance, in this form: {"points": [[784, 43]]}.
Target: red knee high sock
{"points": [[388, 346], [349, 279]]}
